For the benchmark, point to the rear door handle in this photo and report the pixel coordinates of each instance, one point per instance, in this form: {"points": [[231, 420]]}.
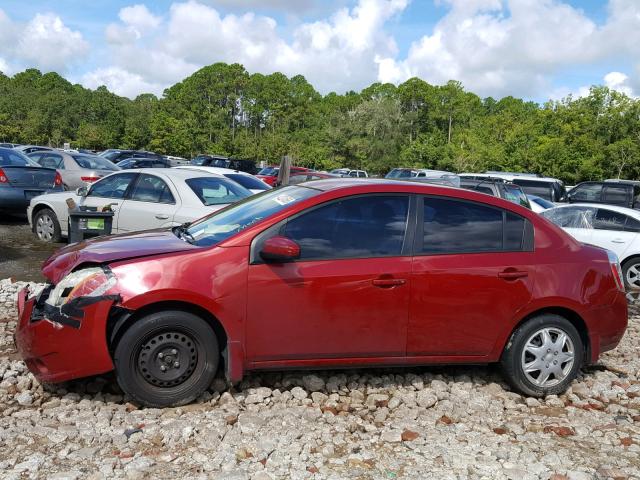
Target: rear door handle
{"points": [[618, 240], [162, 217], [513, 274], [388, 282]]}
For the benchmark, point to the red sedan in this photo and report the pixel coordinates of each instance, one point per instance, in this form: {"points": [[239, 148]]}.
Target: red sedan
{"points": [[355, 272], [270, 174]]}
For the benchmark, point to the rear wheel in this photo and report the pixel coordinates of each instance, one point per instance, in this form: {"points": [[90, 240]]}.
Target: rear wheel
{"points": [[166, 359], [46, 226], [631, 273], [543, 356]]}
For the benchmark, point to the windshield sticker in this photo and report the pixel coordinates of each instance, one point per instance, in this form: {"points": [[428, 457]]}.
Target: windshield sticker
{"points": [[284, 199]]}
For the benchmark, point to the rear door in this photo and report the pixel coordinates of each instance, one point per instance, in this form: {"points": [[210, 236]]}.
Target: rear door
{"points": [[473, 270], [152, 203], [609, 231], [618, 195]]}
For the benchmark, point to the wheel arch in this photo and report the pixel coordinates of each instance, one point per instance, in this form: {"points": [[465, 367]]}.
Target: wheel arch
{"points": [[571, 315], [122, 319]]}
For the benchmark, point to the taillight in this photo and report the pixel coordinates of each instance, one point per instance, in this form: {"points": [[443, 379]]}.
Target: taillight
{"points": [[57, 181], [3, 177], [89, 179], [616, 270]]}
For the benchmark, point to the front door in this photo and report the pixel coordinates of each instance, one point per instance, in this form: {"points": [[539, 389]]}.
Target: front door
{"points": [[471, 274], [149, 205], [110, 190], [346, 296]]}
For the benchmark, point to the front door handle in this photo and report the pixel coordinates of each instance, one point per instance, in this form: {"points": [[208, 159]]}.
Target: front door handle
{"points": [[512, 274], [388, 282], [617, 240], [162, 217]]}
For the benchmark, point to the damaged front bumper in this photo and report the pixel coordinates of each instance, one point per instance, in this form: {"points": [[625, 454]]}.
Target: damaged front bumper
{"points": [[63, 343]]}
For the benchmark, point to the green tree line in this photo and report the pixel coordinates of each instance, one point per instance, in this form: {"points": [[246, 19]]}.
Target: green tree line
{"points": [[226, 110]]}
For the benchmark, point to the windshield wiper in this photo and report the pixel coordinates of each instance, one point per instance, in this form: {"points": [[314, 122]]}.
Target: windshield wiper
{"points": [[182, 233]]}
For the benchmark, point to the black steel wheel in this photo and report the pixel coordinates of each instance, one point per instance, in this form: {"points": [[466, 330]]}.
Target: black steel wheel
{"points": [[166, 359]]}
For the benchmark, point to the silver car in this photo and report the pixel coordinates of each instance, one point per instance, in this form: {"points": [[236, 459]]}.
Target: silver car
{"points": [[76, 169]]}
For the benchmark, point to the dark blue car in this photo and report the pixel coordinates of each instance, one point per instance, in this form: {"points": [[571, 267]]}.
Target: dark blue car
{"points": [[21, 179]]}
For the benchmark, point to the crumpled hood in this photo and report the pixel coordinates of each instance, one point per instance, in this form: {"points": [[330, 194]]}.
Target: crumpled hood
{"points": [[108, 249]]}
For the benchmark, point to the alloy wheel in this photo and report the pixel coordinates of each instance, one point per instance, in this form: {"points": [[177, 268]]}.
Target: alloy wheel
{"points": [[633, 275], [45, 227], [548, 357]]}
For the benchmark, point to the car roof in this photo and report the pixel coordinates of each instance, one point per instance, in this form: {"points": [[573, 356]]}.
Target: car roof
{"points": [[615, 208], [219, 170], [509, 176], [174, 173]]}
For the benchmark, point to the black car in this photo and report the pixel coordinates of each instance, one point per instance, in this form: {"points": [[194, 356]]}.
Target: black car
{"points": [[221, 161], [621, 193], [497, 187], [129, 163], [21, 179], [117, 155]]}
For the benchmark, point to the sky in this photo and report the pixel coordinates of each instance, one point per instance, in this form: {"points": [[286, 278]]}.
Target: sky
{"points": [[532, 49]]}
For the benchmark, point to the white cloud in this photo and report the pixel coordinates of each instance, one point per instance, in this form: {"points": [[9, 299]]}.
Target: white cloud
{"points": [[337, 53], [121, 82], [139, 16], [499, 47], [44, 42], [297, 6], [620, 82]]}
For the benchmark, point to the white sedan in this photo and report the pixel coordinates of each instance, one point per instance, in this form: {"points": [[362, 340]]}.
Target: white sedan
{"points": [[140, 199], [607, 226], [248, 181]]}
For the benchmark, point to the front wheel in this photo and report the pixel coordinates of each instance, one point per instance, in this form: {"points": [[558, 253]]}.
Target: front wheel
{"points": [[543, 356], [166, 359], [46, 226]]}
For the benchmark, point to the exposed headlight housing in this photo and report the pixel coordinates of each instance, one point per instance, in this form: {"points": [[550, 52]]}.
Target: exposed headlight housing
{"points": [[88, 282]]}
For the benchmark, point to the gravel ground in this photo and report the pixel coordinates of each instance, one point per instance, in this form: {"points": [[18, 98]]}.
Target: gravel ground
{"points": [[443, 423]]}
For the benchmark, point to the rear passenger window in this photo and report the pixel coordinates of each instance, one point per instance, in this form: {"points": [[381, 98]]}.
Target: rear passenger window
{"points": [[513, 232], [632, 225], [609, 220], [453, 226], [616, 195]]}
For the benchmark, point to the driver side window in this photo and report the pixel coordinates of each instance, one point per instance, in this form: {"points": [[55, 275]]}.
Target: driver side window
{"points": [[113, 186]]}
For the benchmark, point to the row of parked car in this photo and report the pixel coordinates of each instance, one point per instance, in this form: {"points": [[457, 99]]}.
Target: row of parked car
{"points": [[145, 193]]}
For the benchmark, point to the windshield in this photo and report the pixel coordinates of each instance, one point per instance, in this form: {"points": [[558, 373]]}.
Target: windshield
{"points": [[94, 162], [541, 201], [248, 181], [222, 224], [110, 155], [217, 190], [13, 158], [269, 171], [401, 173], [516, 195]]}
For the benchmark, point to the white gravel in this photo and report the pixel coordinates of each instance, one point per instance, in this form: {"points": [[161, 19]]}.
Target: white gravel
{"points": [[441, 423]]}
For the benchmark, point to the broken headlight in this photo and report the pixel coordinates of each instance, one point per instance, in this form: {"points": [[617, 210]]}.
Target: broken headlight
{"points": [[88, 282]]}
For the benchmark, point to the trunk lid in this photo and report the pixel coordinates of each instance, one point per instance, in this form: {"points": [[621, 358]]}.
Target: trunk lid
{"points": [[30, 177]]}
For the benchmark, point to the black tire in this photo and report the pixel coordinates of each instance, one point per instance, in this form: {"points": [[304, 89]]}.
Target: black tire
{"points": [[47, 217], [512, 357], [166, 339], [631, 273]]}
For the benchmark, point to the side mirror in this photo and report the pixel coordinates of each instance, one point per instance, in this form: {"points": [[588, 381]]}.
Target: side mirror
{"points": [[82, 191], [279, 249]]}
